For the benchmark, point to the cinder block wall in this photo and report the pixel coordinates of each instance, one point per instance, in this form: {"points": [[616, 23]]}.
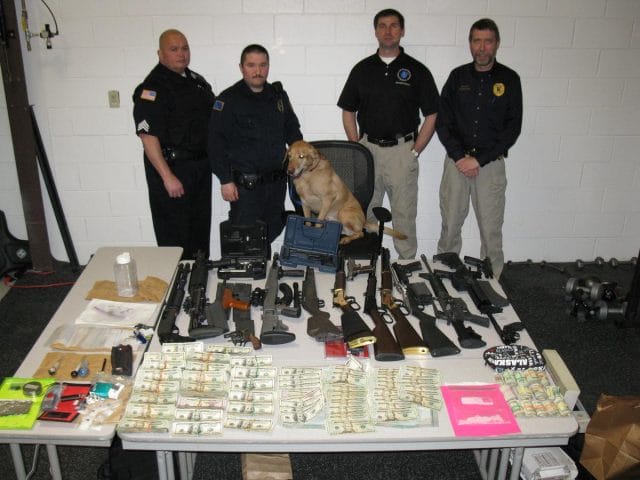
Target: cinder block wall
{"points": [[574, 176]]}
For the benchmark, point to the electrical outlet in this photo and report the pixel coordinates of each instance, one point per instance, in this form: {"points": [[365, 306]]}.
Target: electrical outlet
{"points": [[114, 99]]}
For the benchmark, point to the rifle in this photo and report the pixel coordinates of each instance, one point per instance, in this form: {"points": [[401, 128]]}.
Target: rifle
{"points": [[386, 347], [205, 320], [318, 324], [355, 332], [408, 338], [439, 344], [167, 330], [464, 280], [274, 331], [454, 311]]}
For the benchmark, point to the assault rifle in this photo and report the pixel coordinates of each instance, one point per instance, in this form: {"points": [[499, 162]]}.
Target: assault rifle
{"points": [[274, 331], [417, 297], [454, 311], [408, 338], [318, 324], [464, 280], [167, 330], [386, 347], [205, 320], [355, 332]]}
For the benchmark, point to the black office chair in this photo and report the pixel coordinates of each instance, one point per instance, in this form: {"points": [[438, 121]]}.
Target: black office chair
{"points": [[353, 163]]}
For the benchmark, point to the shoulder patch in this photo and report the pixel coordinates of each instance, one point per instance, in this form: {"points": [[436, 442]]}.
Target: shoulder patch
{"points": [[218, 105], [148, 95]]}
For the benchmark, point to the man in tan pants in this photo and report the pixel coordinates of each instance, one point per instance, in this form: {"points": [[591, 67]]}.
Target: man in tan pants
{"points": [[479, 119], [381, 104]]}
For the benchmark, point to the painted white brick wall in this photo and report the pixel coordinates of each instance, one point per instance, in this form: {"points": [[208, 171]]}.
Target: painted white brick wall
{"points": [[574, 178]]}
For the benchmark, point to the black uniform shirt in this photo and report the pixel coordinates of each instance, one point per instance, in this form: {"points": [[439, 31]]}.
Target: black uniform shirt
{"points": [[389, 98], [174, 108], [480, 112], [249, 131]]}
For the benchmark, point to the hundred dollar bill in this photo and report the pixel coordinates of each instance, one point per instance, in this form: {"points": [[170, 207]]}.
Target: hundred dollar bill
{"points": [[253, 424], [254, 372], [185, 414], [250, 408], [341, 427], [252, 361], [251, 396], [136, 425], [153, 374], [200, 402], [252, 383], [228, 349], [137, 410], [184, 428], [210, 428]]}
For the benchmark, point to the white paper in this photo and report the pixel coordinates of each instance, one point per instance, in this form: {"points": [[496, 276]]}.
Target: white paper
{"points": [[117, 314]]}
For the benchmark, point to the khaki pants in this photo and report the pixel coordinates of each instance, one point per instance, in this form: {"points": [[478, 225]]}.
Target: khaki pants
{"points": [[487, 194], [396, 174]]}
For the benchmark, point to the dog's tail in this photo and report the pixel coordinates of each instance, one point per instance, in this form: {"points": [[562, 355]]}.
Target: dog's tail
{"points": [[373, 227]]}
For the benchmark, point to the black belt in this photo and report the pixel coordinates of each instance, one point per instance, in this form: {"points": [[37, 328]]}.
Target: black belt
{"points": [[390, 142], [181, 155], [251, 180]]}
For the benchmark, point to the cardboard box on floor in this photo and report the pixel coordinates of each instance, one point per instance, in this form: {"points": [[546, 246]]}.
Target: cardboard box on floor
{"points": [[266, 466]]}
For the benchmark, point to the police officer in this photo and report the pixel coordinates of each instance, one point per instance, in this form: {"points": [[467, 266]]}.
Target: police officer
{"points": [[387, 91], [251, 124], [171, 112], [480, 118]]}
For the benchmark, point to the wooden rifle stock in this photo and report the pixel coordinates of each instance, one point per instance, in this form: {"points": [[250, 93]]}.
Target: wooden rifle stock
{"points": [[356, 333], [386, 347], [408, 338]]}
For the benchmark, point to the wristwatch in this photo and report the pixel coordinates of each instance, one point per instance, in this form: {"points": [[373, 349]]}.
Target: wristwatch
{"points": [[415, 153]]}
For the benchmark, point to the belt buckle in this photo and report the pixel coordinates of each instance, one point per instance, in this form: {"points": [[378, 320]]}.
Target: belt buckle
{"points": [[387, 143]]}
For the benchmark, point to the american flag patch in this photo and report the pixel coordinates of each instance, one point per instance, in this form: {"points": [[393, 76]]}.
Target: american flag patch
{"points": [[148, 95], [218, 105]]}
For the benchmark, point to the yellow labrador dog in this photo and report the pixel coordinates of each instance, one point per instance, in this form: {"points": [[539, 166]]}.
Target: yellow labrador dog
{"points": [[322, 191]]}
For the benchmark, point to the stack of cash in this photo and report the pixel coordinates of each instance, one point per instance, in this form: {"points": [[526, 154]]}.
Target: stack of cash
{"points": [[346, 390], [301, 398]]}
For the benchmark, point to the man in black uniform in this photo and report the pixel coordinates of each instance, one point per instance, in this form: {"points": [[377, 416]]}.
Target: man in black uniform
{"points": [[387, 91], [480, 118], [171, 112], [251, 124]]}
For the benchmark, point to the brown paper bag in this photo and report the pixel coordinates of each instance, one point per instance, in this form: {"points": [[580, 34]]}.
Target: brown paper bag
{"points": [[612, 440], [266, 466]]}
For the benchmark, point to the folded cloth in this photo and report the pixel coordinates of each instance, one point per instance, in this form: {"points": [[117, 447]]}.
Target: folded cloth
{"points": [[151, 289]]}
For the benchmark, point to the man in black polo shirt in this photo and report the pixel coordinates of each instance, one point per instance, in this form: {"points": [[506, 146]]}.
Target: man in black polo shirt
{"points": [[385, 93], [480, 118], [251, 124], [171, 109]]}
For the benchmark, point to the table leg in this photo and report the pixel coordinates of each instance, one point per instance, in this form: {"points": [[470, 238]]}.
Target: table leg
{"points": [[18, 462], [165, 465], [516, 465], [56, 473], [186, 461], [504, 463], [494, 453], [481, 460]]}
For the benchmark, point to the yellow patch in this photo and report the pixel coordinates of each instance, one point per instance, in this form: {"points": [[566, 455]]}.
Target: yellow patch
{"points": [[498, 89]]}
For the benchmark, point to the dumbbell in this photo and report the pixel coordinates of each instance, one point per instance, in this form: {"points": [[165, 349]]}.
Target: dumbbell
{"points": [[599, 261], [615, 263], [612, 310], [583, 288]]}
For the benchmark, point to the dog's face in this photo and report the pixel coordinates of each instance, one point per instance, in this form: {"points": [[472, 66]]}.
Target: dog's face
{"points": [[301, 156]]}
